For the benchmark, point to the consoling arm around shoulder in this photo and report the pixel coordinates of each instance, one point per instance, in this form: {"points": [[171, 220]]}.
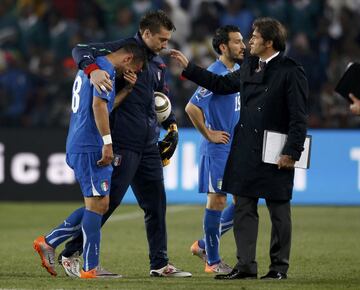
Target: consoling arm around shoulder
{"points": [[85, 54], [297, 98], [218, 84]]}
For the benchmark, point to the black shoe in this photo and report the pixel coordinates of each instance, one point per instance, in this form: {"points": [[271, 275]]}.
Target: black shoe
{"points": [[274, 275], [236, 274]]}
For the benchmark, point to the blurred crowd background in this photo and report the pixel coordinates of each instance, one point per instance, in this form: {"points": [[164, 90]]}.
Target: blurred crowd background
{"points": [[37, 36]]}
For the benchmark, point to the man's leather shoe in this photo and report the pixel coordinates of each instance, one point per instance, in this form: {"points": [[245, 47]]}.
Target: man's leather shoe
{"points": [[274, 275], [236, 274]]}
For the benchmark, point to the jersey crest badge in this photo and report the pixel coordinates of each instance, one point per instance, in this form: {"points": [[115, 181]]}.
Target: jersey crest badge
{"points": [[202, 93], [104, 185]]}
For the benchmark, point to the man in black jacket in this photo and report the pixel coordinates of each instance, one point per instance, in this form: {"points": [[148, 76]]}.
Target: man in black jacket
{"points": [[274, 92], [135, 133]]}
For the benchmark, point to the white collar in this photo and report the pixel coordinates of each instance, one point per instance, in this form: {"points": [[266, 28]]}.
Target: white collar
{"points": [[270, 58]]}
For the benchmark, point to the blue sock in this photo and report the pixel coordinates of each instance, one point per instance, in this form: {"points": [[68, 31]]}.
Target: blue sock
{"points": [[226, 222], [212, 235], [91, 225], [227, 218], [201, 243], [65, 230]]}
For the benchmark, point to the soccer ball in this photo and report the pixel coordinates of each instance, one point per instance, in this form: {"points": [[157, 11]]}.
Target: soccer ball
{"points": [[162, 106]]}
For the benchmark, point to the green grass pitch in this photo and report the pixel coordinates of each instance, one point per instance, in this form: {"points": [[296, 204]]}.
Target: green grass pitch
{"points": [[325, 249]]}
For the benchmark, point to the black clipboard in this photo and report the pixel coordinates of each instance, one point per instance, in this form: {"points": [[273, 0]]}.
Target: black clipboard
{"points": [[350, 82]]}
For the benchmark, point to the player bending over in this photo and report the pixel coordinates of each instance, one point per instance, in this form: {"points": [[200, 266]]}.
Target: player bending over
{"points": [[89, 153]]}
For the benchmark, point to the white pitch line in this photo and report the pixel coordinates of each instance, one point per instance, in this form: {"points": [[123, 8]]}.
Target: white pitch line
{"points": [[140, 214]]}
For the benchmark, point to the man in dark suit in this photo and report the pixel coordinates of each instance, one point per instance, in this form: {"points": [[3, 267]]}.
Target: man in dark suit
{"points": [[274, 93]]}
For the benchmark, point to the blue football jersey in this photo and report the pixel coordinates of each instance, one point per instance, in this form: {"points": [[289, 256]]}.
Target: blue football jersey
{"points": [[221, 112], [83, 135]]}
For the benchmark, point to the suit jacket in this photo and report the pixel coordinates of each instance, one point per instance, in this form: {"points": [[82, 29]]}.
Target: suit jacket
{"points": [[273, 99]]}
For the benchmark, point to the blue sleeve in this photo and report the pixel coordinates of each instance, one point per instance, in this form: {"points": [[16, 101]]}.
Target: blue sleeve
{"points": [[201, 98], [85, 54], [104, 64], [103, 95]]}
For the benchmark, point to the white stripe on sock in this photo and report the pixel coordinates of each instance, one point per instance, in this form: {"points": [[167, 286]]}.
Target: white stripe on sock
{"points": [[84, 244], [65, 230], [60, 237]]}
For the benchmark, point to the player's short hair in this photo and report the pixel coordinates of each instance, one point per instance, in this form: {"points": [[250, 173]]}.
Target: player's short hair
{"points": [[154, 20], [271, 29], [138, 52], [222, 36]]}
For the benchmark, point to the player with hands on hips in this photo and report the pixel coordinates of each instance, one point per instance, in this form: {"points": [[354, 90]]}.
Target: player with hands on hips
{"points": [[215, 116]]}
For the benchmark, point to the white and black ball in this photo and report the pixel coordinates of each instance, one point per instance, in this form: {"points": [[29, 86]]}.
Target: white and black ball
{"points": [[162, 106]]}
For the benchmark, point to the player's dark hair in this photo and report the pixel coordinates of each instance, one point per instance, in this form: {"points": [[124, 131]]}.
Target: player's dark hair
{"points": [[138, 52], [222, 36], [271, 29], [154, 20]]}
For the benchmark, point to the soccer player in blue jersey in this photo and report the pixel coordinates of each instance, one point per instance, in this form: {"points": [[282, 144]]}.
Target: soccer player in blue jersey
{"points": [[215, 117], [89, 153]]}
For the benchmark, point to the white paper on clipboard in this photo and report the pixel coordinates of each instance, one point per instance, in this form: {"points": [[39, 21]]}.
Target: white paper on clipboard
{"points": [[273, 145]]}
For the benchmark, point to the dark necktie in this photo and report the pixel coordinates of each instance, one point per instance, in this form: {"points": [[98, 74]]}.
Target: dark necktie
{"points": [[262, 65]]}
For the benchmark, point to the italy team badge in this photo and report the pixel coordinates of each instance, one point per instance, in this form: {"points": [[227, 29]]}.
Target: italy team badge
{"points": [[104, 185]]}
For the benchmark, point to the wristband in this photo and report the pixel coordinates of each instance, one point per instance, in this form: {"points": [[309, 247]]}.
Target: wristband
{"points": [[90, 68], [107, 139]]}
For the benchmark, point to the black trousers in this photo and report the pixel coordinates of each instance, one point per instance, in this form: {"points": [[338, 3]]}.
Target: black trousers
{"points": [[144, 173], [246, 223]]}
